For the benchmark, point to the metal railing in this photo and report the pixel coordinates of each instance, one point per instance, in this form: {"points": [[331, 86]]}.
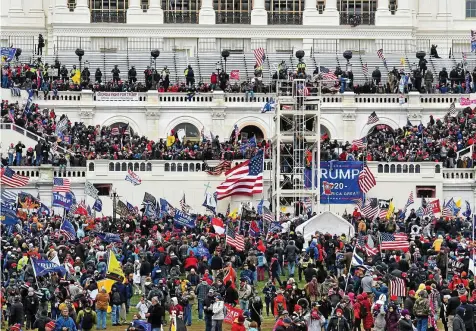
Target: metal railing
{"points": [[26, 133], [180, 16], [285, 18], [357, 19], [224, 17], [108, 16]]}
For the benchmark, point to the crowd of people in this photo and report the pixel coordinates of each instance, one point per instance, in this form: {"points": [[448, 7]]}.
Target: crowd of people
{"points": [[185, 275]]}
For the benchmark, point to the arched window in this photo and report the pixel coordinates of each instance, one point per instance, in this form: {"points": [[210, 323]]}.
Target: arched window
{"points": [[392, 168], [136, 166], [399, 168], [123, 166], [91, 166], [417, 169], [192, 167], [167, 167], [247, 133], [386, 168], [380, 168], [192, 133], [412, 169], [142, 166], [179, 167], [111, 166], [149, 166], [173, 167], [117, 166], [130, 166], [185, 167], [437, 169], [124, 128]]}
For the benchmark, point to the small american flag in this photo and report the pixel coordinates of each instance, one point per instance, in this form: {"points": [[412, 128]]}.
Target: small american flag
{"points": [[367, 245], [54, 147], [359, 203], [235, 240], [380, 54], [61, 185], [10, 178], [394, 241], [185, 208], [366, 179], [115, 131], [410, 200], [398, 287], [370, 208], [268, 216], [259, 56], [235, 74], [365, 70], [373, 118], [228, 209], [360, 143], [67, 230], [223, 166], [127, 130], [465, 57], [382, 213], [452, 110]]}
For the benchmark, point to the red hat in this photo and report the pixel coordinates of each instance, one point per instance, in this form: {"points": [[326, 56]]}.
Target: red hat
{"points": [[339, 310], [430, 276], [428, 288], [50, 324], [393, 298], [463, 299], [412, 292]]}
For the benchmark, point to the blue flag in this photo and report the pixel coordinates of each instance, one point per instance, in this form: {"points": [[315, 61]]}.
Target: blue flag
{"points": [[182, 219], [8, 216], [109, 237], [8, 53], [467, 213], [89, 210], [202, 250], [138, 324], [63, 201], [149, 210], [259, 208], [275, 227], [250, 144], [44, 209], [43, 267], [97, 205], [67, 230]]}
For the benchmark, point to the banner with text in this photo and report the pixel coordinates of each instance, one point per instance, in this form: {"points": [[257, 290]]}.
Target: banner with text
{"points": [[231, 314], [339, 181], [117, 96]]}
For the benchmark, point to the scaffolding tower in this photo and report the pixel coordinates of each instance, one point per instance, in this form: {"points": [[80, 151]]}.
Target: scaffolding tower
{"points": [[296, 146]]}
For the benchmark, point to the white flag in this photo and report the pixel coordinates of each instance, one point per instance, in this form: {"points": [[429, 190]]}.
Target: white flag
{"points": [[90, 190]]}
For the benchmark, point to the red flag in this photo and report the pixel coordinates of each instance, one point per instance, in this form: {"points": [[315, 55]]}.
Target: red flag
{"points": [[235, 74]]}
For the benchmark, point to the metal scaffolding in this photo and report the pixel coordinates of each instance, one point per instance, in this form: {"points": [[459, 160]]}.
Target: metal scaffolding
{"points": [[296, 145]]}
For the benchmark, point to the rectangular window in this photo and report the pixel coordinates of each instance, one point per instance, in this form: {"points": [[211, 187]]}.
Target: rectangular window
{"points": [[104, 189], [470, 8], [426, 191]]}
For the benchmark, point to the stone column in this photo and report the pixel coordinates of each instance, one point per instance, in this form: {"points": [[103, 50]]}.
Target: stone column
{"points": [[403, 7], [16, 8], [348, 119], [155, 13], [444, 9], [81, 12], [36, 7], [259, 15], [330, 16], [424, 8], [207, 13], [310, 14], [60, 6]]}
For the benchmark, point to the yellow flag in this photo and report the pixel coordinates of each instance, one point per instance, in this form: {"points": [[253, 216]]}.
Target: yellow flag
{"points": [[391, 210], [107, 283], [113, 266], [402, 61], [170, 140], [458, 203], [234, 213]]}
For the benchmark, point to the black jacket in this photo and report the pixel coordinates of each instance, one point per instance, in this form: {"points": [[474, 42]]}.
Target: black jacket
{"points": [[17, 314], [405, 325], [155, 317], [338, 324], [453, 303]]}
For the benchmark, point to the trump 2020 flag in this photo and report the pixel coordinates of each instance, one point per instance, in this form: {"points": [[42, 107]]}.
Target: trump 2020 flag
{"points": [[138, 324], [467, 212], [182, 219], [97, 205], [43, 267], [67, 230], [109, 237]]}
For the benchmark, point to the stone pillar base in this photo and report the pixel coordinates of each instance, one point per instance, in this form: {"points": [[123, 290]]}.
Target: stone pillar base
{"points": [[259, 17], [207, 16]]}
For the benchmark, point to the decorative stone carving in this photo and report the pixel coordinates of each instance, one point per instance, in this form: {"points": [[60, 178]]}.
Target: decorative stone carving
{"points": [[349, 116], [218, 115]]}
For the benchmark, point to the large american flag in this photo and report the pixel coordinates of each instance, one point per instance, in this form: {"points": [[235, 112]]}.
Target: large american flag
{"points": [[327, 74], [394, 241], [367, 245], [360, 143], [366, 179], [365, 70], [373, 118], [185, 208], [61, 185], [244, 179], [235, 240], [12, 179], [380, 54], [259, 56], [370, 208], [398, 287], [223, 166]]}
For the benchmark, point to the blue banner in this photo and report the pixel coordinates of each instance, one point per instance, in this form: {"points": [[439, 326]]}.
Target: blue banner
{"points": [[138, 324], [183, 219], [202, 250], [97, 205], [8, 216], [44, 209], [63, 201], [8, 53], [43, 267], [109, 237], [339, 181]]}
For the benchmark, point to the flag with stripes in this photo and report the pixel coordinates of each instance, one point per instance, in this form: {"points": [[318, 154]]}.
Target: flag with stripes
{"points": [[9, 177], [54, 147], [327, 74], [370, 248], [236, 132], [9, 197], [268, 216], [127, 130], [228, 210], [398, 287], [360, 143], [365, 70], [366, 179], [452, 110], [185, 208], [133, 177], [410, 200], [91, 190], [235, 240], [394, 241], [373, 118], [61, 125], [67, 230], [370, 208], [223, 166], [244, 179], [359, 203], [61, 185], [380, 54], [115, 131], [259, 56], [149, 199]]}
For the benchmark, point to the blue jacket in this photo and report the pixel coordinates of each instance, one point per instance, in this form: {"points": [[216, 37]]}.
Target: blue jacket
{"points": [[65, 323]]}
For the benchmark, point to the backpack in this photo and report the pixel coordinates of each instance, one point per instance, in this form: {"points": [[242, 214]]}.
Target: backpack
{"points": [[87, 322], [116, 298], [363, 312]]}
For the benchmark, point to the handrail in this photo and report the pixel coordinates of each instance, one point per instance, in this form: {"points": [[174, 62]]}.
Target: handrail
{"points": [[465, 151], [25, 132]]}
